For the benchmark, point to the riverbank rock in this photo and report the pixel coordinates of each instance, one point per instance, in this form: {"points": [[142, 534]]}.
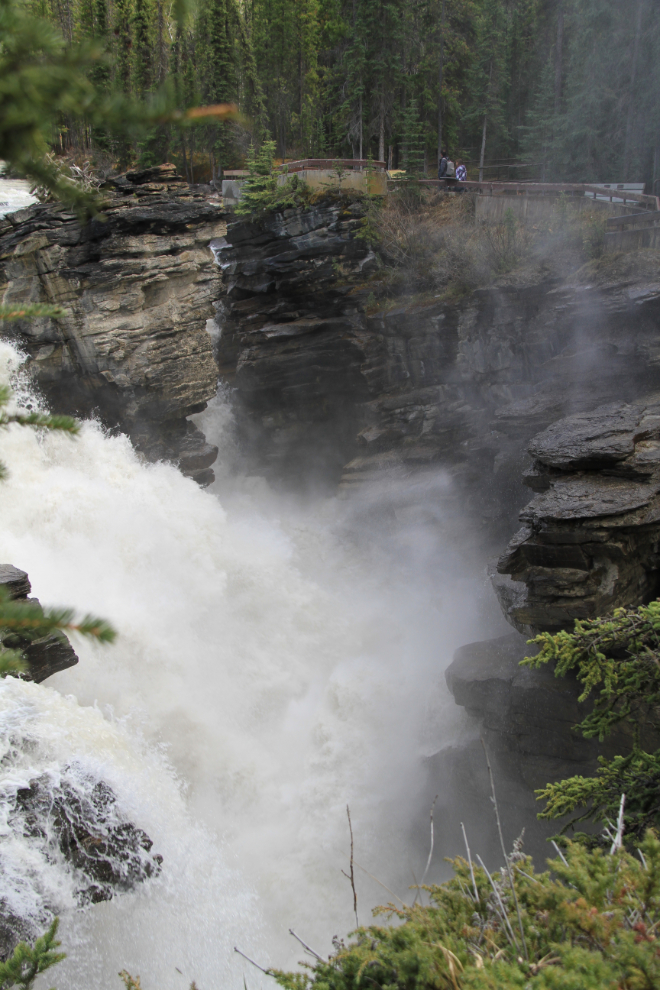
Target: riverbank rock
{"points": [[137, 287], [44, 656]]}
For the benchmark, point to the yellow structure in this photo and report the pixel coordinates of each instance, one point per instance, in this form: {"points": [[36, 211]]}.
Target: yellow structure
{"points": [[374, 183]]}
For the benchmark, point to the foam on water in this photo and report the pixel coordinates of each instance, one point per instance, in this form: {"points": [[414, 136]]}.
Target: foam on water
{"points": [[270, 670], [14, 195]]}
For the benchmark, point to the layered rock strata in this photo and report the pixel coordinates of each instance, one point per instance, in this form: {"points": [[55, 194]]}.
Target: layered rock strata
{"points": [[325, 377], [137, 287], [293, 340], [46, 655], [590, 539]]}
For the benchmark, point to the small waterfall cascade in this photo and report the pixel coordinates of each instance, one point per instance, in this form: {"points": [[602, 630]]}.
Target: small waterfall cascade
{"points": [[277, 660]]}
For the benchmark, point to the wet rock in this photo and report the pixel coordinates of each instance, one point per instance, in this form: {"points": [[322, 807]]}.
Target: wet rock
{"points": [[71, 823], [108, 855], [527, 719], [137, 289], [46, 655]]}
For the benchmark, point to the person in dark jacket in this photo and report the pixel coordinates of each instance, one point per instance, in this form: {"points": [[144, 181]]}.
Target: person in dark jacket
{"points": [[442, 165]]}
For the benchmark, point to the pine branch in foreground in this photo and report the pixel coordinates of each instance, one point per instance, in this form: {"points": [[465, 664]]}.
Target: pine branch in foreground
{"points": [[589, 923], [30, 621], [27, 962], [31, 312]]}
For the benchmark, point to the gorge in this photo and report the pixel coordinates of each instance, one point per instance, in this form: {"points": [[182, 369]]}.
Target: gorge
{"points": [[284, 634]]}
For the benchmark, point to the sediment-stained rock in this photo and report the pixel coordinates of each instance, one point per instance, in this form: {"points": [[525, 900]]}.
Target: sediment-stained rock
{"points": [[137, 287]]}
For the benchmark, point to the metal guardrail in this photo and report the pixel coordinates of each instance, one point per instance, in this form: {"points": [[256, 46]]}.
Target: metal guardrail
{"points": [[601, 193]]}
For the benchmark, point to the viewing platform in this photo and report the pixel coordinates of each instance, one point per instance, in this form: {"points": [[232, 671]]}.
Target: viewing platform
{"points": [[636, 223]]}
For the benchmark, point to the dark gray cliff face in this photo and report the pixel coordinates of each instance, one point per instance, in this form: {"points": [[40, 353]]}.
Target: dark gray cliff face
{"points": [[324, 383], [137, 290], [293, 340]]}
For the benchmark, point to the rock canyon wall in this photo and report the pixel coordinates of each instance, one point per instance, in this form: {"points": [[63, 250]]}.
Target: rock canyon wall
{"points": [[534, 383], [136, 286]]}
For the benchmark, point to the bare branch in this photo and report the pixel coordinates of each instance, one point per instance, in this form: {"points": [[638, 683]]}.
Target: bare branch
{"points": [[617, 842], [267, 972], [560, 853], [428, 861], [502, 910], [399, 899], [352, 874], [469, 858], [506, 858], [304, 944]]}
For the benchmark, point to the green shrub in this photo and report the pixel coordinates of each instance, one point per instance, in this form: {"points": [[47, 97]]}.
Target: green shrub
{"points": [[588, 924]]}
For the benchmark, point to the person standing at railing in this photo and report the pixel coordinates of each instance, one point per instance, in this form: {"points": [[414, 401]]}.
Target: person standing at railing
{"points": [[442, 165], [461, 171]]}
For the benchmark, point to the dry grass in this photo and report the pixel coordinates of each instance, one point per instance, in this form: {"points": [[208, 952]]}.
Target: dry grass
{"points": [[431, 242]]}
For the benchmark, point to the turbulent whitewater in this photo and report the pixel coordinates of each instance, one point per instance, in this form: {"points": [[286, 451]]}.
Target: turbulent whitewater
{"points": [[276, 661]]}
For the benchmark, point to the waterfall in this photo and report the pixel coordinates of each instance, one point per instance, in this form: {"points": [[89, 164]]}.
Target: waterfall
{"points": [[277, 659]]}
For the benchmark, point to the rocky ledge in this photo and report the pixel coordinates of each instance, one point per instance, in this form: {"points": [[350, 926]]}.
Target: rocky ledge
{"points": [[46, 655], [590, 539], [137, 287]]}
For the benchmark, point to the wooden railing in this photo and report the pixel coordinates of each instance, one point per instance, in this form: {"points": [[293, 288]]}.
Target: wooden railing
{"points": [[635, 221], [335, 164]]}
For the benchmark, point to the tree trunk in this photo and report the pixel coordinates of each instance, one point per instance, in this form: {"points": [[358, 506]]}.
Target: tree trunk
{"points": [[441, 59], [559, 54], [381, 129], [360, 126], [631, 91], [483, 133], [162, 53]]}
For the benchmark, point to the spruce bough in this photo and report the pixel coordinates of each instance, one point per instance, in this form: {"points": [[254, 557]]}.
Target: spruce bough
{"points": [[616, 659]]}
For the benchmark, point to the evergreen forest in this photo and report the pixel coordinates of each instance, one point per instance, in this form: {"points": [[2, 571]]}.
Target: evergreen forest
{"points": [[548, 90]]}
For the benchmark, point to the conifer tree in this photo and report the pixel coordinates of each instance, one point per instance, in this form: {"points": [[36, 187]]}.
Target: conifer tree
{"points": [[144, 46], [413, 142], [220, 84]]}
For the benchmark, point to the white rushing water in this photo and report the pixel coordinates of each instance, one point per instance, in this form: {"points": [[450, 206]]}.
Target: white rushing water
{"points": [[14, 194], [271, 668]]}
